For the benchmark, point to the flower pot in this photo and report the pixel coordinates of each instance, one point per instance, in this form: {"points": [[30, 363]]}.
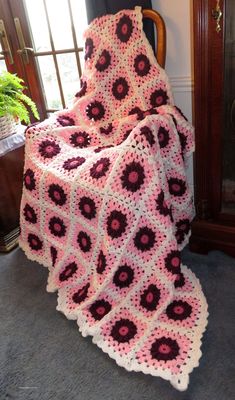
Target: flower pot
{"points": [[8, 126]]}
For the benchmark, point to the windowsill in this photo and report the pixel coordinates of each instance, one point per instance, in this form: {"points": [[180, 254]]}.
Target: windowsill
{"points": [[13, 141]]}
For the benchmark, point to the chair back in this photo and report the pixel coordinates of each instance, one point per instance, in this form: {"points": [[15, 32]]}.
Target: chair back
{"points": [[159, 23]]}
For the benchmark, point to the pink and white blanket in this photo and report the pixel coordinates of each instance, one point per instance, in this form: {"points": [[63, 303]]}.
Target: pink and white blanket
{"points": [[107, 208]]}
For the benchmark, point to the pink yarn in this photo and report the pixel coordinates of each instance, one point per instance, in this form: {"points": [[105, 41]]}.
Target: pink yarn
{"points": [[107, 208]]}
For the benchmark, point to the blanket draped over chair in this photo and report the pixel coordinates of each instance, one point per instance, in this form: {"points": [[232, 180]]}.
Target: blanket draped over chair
{"points": [[106, 207]]}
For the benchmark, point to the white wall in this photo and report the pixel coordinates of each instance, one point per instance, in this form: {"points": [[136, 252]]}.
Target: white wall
{"points": [[177, 15]]}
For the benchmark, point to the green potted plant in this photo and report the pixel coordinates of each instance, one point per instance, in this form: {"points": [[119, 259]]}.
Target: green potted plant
{"points": [[14, 104]]}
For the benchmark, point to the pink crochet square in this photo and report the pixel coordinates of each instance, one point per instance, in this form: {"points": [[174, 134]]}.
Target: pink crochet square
{"points": [[34, 242], [132, 176], [71, 299], [30, 211], [87, 206], [55, 226], [96, 311], [69, 271], [124, 31], [83, 241], [57, 193], [164, 350], [152, 295], [31, 179], [183, 311], [141, 65], [46, 149], [147, 240], [125, 276], [97, 171], [122, 332], [116, 224]]}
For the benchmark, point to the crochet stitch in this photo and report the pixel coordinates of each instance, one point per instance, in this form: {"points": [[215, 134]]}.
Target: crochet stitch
{"points": [[107, 208]]}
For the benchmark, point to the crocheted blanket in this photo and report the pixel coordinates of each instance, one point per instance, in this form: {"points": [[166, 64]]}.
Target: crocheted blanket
{"points": [[107, 208]]}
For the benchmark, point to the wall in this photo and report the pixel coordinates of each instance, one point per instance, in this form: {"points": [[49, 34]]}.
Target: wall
{"points": [[177, 15]]}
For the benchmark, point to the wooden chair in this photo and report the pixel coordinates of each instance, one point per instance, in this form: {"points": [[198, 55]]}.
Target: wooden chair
{"points": [[159, 23]]}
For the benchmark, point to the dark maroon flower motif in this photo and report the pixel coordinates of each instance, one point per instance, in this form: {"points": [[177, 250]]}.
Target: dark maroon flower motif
{"points": [[73, 163], [106, 131], [178, 310], [161, 205], [30, 214], [95, 110], [179, 280], [123, 330], [158, 98], [165, 349], [53, 255], [177, 187], [146, 131], [150, 298], [89, 47], [80, 139], [84, 241], [87, 207], [99, 149], [29, 180], [133, 176], [34, 242], [83, 89], [65, 120], [120, 88], [69, 271], [144, 239], [100, 168], [79, 296], [183, 228], [57, 194], [104, 61], [179, 235], [116, 224], [57, 227], [49, 149], [124, 276], [124, 28], [101, 263], [183, 225], [163, 137], [99, 309], [183, 141], [173, 261], [142, 65]]}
